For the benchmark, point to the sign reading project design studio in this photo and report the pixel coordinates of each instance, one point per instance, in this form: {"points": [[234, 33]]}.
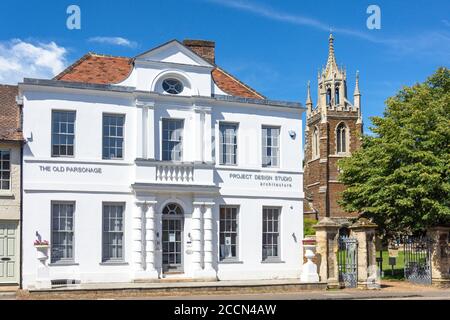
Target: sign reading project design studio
{"points": [[264, 180]]}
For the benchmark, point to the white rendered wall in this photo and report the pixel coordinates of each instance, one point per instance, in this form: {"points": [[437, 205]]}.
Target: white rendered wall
{"points": [[49, 178]]}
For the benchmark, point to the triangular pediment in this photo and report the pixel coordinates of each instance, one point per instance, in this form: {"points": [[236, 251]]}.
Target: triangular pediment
{"points": [[173, 52]]}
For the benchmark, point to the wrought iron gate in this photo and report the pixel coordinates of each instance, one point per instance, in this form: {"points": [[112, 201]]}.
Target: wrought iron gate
{"points": [[418, 259], [348, 261]]}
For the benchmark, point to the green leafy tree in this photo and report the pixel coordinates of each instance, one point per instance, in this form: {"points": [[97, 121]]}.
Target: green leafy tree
{"points": [[400, 178]]}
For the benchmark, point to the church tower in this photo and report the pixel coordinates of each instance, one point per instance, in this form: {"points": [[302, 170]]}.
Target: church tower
{"points": [[333, 130]]}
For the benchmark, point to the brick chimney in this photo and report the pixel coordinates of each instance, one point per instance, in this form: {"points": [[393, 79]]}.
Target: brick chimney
{"points": [[204, 48]]}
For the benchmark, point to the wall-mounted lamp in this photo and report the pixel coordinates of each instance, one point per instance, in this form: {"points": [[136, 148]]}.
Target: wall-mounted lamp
{"points": [[292, 134]]}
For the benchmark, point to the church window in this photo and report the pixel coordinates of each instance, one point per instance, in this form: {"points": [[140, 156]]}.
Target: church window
{"points": [[315, 143], [336, 96], [341, 137], [328, 97]]}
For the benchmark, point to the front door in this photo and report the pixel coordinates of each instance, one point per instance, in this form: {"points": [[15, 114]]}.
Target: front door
{"points": [[172, 243], [8, 253]]}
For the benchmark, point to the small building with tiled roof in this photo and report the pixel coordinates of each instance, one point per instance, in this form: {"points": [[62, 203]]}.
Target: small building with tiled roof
{"points": [[10, 185], [161, 166]]}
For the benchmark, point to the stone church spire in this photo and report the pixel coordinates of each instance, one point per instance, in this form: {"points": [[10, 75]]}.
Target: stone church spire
{"points": [[331, 62]]}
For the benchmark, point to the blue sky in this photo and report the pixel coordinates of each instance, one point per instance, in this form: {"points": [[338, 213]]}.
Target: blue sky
{"points": [[274, 46]]}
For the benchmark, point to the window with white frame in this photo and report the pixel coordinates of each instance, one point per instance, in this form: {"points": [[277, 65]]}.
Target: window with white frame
{"points": [[228, 232], [271, 234], [113, 220], [270, 146], [341, 138], [5, 170], [172, 139], [62, 236], [63, 133], [228, 143], [113, 136]]}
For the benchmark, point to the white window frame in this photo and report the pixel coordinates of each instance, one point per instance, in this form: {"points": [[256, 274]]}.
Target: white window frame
{"points": [[2, 170], [236, 232], [265, 147], [271, 258], [113, 137], [105, 258], [67, 260], [180, 141], [66, 134], [223, 143]]}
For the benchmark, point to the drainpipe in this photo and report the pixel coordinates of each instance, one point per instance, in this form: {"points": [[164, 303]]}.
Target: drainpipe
{"points": [[21, 216]]}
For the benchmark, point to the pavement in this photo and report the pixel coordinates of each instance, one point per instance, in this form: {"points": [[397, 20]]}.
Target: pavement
{"points": [[391, 290]]}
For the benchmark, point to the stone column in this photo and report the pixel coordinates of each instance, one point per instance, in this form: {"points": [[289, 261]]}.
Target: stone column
{"points": [[196, 235], [440, 256], [208, 242], [364, 231], [138, 255], [144, 241], [327, 232], [150, 241]]}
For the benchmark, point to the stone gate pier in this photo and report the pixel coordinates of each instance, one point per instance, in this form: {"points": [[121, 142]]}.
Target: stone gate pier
{"points": [[332, 271]]}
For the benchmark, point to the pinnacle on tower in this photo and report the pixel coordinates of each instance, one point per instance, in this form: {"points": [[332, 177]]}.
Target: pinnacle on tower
{"points": [[357, 85], [308, 94], [331, 62]]}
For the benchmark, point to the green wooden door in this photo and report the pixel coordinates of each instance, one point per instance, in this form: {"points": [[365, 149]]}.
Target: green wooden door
{"points": [[8, 253]]}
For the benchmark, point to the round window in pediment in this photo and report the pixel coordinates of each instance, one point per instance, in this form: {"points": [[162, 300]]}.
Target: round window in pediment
{"points": [[172, 86]]}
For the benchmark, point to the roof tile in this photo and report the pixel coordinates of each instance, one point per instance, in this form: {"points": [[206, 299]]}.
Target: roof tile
{"points": [[10, 129]]}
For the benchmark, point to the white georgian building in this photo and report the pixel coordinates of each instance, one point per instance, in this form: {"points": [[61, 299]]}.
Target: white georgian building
{"points": [[160, 166]]}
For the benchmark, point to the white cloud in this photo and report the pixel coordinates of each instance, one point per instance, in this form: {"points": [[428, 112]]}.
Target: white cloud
{"points": [[117, 41], [20, 59]]}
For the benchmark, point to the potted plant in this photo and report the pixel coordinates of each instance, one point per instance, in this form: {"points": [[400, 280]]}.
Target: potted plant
{"points": [[42, 249]]}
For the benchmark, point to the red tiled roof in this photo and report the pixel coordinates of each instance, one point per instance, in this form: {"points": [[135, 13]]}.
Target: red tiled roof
{"points": [[231, 85], [98, 69], [9, 114], [101, 69]]}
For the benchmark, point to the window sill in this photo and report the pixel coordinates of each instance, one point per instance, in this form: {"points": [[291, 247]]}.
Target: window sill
{"points": [[113, 263], [231, 262], [273, 261], [227, 165], [63, 264], [62, 157], [6, 194]]}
